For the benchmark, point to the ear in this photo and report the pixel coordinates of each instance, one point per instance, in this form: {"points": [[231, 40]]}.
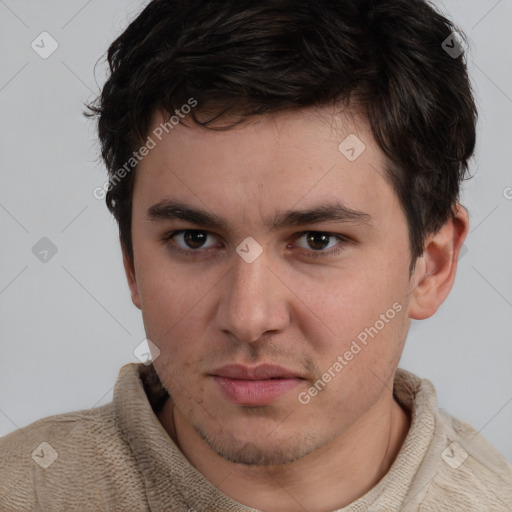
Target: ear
{"points": [[435, 270], [130, 275]]}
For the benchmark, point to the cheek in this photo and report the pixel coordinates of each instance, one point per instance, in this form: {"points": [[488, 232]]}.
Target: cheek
{"points": [[362, 307], [172, 311], [166, 291]]}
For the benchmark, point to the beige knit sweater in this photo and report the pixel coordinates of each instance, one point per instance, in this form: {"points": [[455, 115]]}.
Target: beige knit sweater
{"points": [[119, 458]]}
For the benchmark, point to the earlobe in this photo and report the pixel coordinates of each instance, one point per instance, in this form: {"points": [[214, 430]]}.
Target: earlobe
{"points": [[129, 269], [435, 271]]}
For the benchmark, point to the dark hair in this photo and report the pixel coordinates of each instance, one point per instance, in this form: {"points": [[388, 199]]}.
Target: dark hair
{"points": [[246, 58]]}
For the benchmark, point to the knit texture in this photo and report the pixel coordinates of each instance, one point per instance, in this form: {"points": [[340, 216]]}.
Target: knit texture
{"points": [[118, 457]]}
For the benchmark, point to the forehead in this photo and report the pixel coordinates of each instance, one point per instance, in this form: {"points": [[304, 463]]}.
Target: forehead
{"points": [[293, 159]]}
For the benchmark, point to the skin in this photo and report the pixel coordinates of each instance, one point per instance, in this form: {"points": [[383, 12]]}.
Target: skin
{"points": [[292, 306]]}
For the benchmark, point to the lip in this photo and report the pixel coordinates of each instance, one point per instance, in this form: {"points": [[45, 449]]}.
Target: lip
{"points": [[261, 372], [255, 386]]}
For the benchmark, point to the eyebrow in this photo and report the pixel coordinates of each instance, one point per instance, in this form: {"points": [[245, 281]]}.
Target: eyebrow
{"points": [[333, 212]]}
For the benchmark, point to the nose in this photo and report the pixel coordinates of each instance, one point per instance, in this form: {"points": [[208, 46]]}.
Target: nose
{"points": [[254, 301]]}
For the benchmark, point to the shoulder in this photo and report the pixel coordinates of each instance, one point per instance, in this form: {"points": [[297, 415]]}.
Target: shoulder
{"points": [[471, 474], [457, 468], [70, 447]]}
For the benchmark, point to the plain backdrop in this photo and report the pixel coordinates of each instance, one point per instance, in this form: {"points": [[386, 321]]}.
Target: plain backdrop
{"points": [[68, 324]]}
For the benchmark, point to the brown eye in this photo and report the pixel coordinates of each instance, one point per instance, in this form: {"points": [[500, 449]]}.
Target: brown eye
{"points": [[317, 241], [194, 239], [321, 243]]}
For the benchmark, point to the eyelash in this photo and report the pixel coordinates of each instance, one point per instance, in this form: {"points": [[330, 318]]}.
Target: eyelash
{"points": [[309, 253]]}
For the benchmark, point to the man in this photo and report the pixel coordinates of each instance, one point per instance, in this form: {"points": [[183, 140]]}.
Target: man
{"points": [[286, 178]]}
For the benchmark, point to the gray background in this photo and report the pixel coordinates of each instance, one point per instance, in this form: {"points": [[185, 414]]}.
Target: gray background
{"points": [[68, 324]]}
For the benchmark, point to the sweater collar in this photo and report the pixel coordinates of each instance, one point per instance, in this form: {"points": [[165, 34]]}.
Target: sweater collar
{"points": [[171, 481]]}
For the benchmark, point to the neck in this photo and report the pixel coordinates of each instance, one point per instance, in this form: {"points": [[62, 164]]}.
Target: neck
{"points": [[329, 478]]}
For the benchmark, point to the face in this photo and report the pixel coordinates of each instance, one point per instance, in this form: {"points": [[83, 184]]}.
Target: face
{"points": [[272, 271]]}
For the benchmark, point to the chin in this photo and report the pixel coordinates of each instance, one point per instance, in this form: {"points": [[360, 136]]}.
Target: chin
{"points": [[275, 451]]}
